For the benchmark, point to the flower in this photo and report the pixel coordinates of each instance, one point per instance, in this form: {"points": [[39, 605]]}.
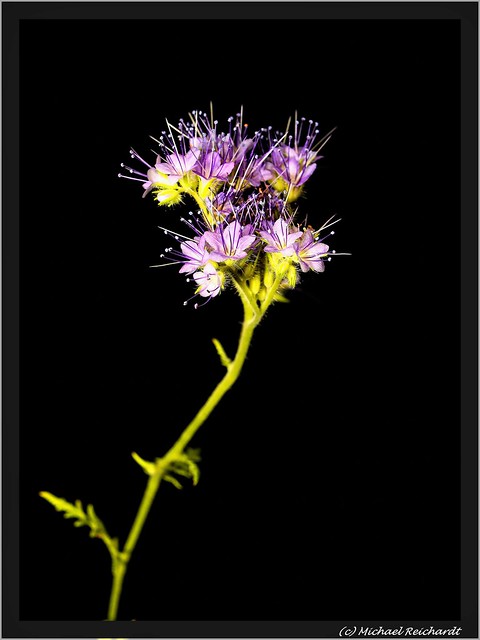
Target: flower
{"points": [[212, 165], [294, 166], [229, 242], [176, 165], [195, 254], [279, 239], [310, 252], [209, 281], [293, 161], [245, 231]]}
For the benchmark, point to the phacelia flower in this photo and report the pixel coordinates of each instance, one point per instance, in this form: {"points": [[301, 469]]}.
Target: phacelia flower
{"points": [[279, 238], [211, 165], [209, 281], [229, 242], [244, 229], [195, 255], [259, 172], [156, 179], [294, 166], [176, 165], [310, 252]]}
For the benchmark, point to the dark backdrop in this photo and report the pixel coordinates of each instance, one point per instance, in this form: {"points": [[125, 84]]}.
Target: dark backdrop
{"points": [[330, 474]]}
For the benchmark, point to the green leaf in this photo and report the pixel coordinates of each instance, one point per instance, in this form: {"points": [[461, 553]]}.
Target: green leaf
{"points": [[148, 467], [84, 519], [184, 465]]}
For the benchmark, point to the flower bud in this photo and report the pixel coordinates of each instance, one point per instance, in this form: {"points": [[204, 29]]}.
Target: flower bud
{"points": [[249, 271], [283, 266], [255, 284], [292, 276], [262, 294], [268, 278], [168, 197]]}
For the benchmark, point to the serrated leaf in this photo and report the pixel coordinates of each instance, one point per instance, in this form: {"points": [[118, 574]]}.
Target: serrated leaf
{"points": [[82, 519], [183, 465], [173, 481]]}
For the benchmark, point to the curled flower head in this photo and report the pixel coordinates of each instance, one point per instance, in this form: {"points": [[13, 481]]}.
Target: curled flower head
{"points": [[244, 232]]}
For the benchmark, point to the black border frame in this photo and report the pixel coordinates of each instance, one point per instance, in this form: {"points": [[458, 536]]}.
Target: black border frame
{"points": [[12, 13]]}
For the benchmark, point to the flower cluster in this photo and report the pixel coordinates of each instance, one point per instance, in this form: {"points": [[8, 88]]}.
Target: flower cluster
{"points": [[244, 185]]}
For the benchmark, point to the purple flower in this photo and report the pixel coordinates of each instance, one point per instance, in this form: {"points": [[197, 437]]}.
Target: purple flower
{"points": [[310, 252], [230, 242], [294, 166], [212, 165], [195, 254], [279, 239], [259, 171], [154, 178], [209, 281], [177, 165], [244, 229]]}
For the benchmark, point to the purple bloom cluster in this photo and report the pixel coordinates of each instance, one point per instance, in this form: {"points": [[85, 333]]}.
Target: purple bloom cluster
{"points": [[244, 185]]}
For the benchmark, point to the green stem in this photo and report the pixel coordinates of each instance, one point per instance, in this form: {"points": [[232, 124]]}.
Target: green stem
{"points": [[233, 371], [271, 293], [251, 319], [120, 566], [201, 203]]}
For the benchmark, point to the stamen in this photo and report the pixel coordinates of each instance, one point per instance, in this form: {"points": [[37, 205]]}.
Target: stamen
{"points": [[130, 178], [173, 233]]}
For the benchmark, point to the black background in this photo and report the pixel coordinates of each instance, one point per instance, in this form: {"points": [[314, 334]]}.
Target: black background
{"points": [[330, 484]]}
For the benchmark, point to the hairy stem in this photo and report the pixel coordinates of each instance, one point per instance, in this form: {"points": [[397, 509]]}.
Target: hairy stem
{"points": [[252, 316], [201, 203]]}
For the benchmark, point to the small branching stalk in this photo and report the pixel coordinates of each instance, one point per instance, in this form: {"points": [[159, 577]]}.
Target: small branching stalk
{"points": [[224, 359]]}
